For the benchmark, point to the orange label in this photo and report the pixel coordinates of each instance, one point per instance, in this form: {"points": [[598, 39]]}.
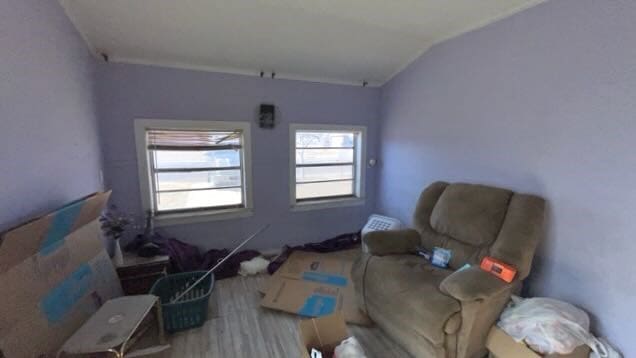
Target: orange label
{"points": [[498, 268]]}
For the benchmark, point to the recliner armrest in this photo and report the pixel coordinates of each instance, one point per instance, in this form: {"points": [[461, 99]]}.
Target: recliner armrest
{"points": [[391, 242], [473, 284]]}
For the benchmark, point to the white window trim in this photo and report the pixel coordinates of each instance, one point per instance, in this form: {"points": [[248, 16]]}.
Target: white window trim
{"points": [[360, 168], [143, 124]]}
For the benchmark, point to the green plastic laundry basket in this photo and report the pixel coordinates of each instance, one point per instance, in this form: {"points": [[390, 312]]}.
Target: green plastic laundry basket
{"points": [[192, 309]]}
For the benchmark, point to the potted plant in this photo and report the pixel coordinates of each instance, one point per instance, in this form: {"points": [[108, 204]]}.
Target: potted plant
{"points": [[114, 224]]}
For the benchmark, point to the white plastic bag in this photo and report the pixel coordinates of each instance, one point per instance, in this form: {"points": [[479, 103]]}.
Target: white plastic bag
{"points": [[253, 267], [549, 326], [349, 348]]}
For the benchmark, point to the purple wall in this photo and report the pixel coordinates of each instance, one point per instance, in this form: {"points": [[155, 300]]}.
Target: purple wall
{"points": [[542, 102], [127, 92], [48, 127]]}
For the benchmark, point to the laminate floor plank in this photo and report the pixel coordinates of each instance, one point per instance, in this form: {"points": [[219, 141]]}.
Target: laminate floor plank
{"points": [[238, 327]]}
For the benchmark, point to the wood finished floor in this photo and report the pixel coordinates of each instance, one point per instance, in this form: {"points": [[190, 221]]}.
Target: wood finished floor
{"points": [[239, 328]]}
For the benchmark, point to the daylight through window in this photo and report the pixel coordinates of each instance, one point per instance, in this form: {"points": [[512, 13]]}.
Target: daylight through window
{"points": [[326, 164], [194, 170]]}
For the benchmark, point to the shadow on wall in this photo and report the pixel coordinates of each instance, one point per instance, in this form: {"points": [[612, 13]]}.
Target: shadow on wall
{"points": [[541, 255], [559, 276], [543, 268]]}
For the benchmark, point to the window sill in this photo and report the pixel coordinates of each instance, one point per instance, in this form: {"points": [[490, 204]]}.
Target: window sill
{"points": [[199, 217], [326, 204]]}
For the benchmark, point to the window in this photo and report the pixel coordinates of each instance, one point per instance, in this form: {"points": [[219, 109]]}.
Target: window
{"points": [[193, 168], [326, 164]]}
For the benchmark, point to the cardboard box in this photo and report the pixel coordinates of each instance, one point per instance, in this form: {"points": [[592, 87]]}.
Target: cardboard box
{"points": [[323, 333], [54, 273], [502, 345], [314, 285]]}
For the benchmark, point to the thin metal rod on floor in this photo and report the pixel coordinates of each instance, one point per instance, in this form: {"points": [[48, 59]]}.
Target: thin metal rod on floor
{"points": [[219, 263]]}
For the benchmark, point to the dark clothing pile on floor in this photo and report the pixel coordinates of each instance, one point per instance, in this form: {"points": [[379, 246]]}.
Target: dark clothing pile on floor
{"points": [[338, 243], [185, 257]]}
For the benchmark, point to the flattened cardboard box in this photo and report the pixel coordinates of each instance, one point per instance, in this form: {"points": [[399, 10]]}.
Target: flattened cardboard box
{"points": [[314, 285], [322, 333], [501, 345], [57, 274]]}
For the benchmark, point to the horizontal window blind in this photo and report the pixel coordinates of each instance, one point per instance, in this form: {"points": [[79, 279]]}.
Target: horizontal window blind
{"points": [[193, 140], [195, 170]]}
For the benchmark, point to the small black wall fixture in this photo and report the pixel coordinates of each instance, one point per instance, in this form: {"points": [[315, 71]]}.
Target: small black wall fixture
{"points": [[266, 116]]}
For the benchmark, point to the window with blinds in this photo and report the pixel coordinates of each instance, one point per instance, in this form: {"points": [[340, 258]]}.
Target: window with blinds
{"points": [[326, 164], [193, 170]]}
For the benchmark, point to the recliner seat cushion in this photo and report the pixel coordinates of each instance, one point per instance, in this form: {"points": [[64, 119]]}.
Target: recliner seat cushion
{"points": [[472, 214], [406, 287]]}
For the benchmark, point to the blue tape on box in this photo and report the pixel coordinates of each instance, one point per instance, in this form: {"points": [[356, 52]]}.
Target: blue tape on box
{"points": [[63, 297], [329, 279], [60, 226], [318, 305]]}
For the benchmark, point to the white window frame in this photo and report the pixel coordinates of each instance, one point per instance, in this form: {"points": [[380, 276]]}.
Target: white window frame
{"points": [[145, 183], [359, 167]]}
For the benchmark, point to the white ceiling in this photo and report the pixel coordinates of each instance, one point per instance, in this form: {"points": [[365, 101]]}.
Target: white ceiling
{"points": [[341, 41]]}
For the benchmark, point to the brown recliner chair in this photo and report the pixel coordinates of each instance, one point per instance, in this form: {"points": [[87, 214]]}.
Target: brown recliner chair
{"points": [[434, 312]]}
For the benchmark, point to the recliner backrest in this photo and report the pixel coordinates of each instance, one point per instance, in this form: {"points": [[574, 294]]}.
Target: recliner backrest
{"points": [[474, 221]]}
